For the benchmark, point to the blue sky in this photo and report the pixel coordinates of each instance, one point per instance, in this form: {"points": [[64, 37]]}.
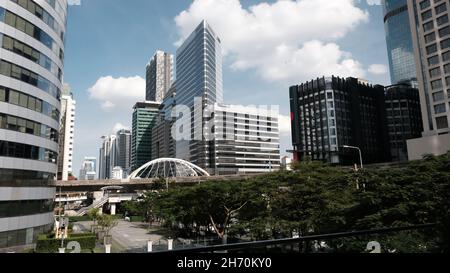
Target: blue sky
{"points": [[268, 46]]}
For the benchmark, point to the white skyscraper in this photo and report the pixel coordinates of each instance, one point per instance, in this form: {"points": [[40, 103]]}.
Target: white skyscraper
{"points": [[66, 134], [159, 76], [108, 155], [430, 29]]}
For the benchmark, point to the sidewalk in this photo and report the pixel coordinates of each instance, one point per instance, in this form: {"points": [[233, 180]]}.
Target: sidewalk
{"points": [[127, 235], [133, 235]]}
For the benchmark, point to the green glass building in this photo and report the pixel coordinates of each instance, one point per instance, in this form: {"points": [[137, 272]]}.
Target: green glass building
{"points": [[144, 119]]}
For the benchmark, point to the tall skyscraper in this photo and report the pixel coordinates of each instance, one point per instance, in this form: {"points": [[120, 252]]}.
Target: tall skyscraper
{"points": [[330, 113], [399, 41], [123, 143], [144, 119], [31, 64], [429, 21], [66, 134], [199, 78], [159, 76], [107, 158], [88, 169], [163, 143]]}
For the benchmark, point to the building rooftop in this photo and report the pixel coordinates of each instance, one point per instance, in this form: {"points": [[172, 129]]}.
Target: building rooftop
{"points": [[147, 104]]}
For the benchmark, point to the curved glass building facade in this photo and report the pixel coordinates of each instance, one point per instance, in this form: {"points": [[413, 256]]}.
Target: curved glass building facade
{"points": [[32, 34], [399, 41]]}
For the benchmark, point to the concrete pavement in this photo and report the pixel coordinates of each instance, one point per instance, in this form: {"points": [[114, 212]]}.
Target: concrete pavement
{"points": [[128, 236]]}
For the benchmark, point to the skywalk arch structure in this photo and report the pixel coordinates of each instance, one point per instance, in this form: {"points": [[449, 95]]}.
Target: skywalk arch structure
{"points": [[168, 167]]}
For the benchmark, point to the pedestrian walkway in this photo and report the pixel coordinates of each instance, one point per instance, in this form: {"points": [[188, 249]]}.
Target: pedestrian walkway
{"points": [[128, 236], [133, 235]]}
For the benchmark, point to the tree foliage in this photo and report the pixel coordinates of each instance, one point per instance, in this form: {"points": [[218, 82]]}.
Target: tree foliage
{"points": [[93, 214], [107, 222], [316, 198]]}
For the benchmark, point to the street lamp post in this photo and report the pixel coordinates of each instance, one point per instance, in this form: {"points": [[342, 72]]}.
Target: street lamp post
{"points": [[360, 153]]}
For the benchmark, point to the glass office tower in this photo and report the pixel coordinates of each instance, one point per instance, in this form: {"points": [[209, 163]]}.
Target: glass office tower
{"points": [[31, 64], [145, 116], [399, 41], [199, 78]]}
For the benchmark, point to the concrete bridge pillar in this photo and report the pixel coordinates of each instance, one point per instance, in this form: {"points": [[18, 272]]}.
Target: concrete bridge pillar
{"points": [[113, 209]]}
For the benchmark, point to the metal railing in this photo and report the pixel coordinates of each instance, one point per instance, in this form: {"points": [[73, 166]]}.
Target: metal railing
{"points": [[294, 241], [98, 204]]}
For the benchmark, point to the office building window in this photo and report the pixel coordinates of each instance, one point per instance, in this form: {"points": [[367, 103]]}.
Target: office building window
{"points": [[430, 37], [436, 84], [438, 96], [439, 109], [25, 75], [444, 31], [431, 49], [34, 104], [424, 4], [428, 26], [447, 68], [442, 123], [435, 72], [442, 20], [433, 60], [441, 8], [445, 44], [446, 56], [426, 15]]}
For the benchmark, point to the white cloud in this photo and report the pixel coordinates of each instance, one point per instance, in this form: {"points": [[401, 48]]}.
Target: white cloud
{"points": [[378, 69], [119, 126], [118, 92], [289, 41], [284, 125], [74, 2]]}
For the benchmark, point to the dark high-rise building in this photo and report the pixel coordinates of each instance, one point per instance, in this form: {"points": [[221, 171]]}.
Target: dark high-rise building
{"points": [[123, 143], [144, 119], [399, 41], [329, 113], [404, 118]]}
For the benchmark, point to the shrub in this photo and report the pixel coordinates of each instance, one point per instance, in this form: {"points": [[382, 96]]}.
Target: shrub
{"points": [[137, 219], [79, 219], [48, 244]]}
